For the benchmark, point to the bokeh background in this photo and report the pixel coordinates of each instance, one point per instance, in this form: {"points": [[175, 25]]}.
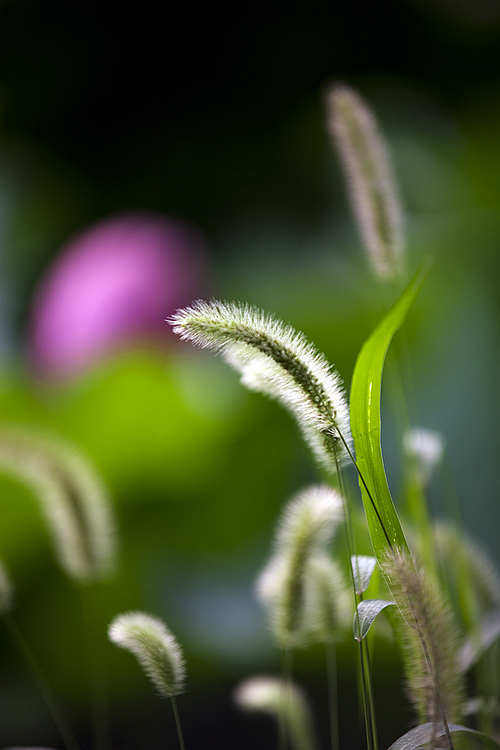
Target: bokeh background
{"points": [[153, 154]]}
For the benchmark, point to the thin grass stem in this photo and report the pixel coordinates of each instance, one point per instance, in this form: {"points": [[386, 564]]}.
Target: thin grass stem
{"points": [[333, 707], [286, 682], [367, 692], [370, 693], [177, 722], [39, 678], [96, 675], [372, 501]]}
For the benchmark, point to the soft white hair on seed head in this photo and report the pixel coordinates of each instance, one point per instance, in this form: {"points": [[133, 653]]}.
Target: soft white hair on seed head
{"points": [[371, 184], [281, 363], [154, 647]]}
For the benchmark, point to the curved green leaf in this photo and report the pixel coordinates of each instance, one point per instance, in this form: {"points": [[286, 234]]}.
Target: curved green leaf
{"points": [[383, 522], [362, 570], [424, 733], [368, 611]]}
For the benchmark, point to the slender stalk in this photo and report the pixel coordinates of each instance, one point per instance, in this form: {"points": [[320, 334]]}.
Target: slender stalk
{"points": [[96, 673], [177, 722], [286, 674], [365, 668], [331, 673], [369, 689], [36, 671]]}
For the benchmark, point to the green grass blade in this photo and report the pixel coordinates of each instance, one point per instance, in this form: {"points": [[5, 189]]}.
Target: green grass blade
{"points": [[383, 522]]}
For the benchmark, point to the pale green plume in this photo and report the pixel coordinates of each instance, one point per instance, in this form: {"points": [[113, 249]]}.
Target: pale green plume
{"points": [[275, 360], [293, 586], [330, 607], [154, 647], [429, 641], [72, 498], [282, 700], [371, 184]]}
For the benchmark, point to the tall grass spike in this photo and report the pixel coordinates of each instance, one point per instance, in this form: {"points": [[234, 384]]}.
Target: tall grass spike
{"points": [[154, 647], [429, 641], [371, 185], [292, 586], [275, 360], [72, 497]]}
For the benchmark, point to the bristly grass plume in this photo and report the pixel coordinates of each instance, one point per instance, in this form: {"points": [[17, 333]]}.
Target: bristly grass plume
{"points": [[154, 647], [72, 497], [429, 641], [279, 362], [301, 586], [371, 185]]}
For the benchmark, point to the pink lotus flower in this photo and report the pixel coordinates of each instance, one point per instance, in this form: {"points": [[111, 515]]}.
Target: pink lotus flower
{"points": [[112, 284]]}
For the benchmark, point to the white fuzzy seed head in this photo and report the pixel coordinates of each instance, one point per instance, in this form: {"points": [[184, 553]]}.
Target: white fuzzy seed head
{"points": [[263, 694], [278, 362], [313, 515], [291, 593], [426, 449], [284, 701], [72, 498], [154, 647], [371, 184], [330, 606]]}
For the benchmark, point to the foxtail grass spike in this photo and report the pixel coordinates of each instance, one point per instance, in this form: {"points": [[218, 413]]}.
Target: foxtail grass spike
{"points": [[72, 498], [370, 181], [429, 641], [282, 700], [292, 586], [330, 605], [275, 360], [154, 647]]}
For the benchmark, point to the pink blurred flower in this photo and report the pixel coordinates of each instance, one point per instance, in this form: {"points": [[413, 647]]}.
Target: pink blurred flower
{"points": [[112, 284]]}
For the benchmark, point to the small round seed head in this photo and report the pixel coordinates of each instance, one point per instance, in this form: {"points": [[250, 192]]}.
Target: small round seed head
{"points": [[154, 647]]}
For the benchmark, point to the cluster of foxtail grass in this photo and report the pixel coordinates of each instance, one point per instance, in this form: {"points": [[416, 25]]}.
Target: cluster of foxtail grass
{"points": [[445, 609]]}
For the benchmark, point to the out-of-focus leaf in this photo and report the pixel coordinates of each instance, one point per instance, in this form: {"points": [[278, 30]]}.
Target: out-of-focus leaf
{"points": [[479, 642], [368, 611], [362, 568], [424, 733]]}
